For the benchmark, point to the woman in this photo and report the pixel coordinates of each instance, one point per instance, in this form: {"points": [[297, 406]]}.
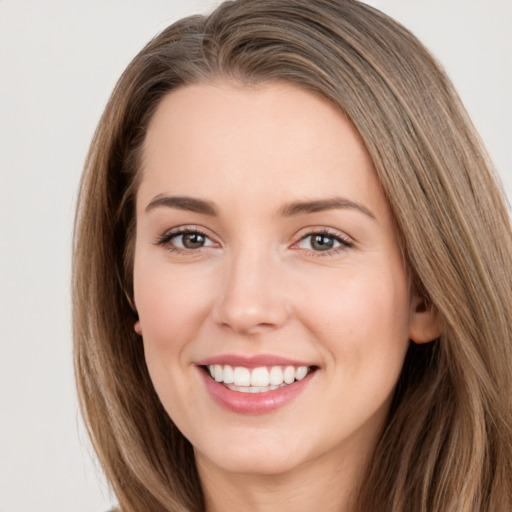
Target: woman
{"points": [[292, 277]]}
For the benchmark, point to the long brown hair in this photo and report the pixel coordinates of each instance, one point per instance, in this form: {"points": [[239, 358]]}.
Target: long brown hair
{"points": [[448, 442]]}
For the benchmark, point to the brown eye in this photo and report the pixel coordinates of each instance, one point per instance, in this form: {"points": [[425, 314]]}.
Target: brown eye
{"points": [[322, 242], [186, 239], [192, 240]]}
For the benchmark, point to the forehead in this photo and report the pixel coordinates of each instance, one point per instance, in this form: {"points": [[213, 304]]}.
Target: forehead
{"points": [[245, 142]]}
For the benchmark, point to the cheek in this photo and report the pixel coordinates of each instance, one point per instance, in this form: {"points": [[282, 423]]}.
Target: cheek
{"points": [[360, 300], [363, 325], [171, 304], [363, 320]]}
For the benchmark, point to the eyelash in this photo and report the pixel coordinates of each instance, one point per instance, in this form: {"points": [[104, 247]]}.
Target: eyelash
{"points": [[165, 239], [345, 242]]}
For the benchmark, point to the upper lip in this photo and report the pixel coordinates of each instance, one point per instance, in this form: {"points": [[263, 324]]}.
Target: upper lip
{"points": [[251, 361]]}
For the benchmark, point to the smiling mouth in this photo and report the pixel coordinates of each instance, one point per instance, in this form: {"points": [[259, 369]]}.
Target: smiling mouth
{"points": [[257, 380]]}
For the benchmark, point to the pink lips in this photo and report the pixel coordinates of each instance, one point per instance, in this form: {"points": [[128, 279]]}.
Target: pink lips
{"points": [[253, 403]]}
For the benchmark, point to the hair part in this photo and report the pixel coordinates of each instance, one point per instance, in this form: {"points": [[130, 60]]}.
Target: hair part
{"points": [[448, 442]]}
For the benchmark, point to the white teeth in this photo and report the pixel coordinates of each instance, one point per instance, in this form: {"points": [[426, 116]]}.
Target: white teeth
{"points": [[229, 376], [276, 376], [301, 372], [258, 379], [242, 376], [289, 374], [217, 373], [252, 389]]}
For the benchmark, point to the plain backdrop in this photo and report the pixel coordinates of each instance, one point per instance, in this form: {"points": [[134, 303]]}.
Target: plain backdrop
{"points": [[58, 63]]}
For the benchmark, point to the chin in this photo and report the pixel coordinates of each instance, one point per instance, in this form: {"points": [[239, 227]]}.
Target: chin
{"points": [[263, 457]]}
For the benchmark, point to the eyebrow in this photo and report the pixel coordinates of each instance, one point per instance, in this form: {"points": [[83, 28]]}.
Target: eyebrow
{"points": [[201, 206], [190, 204], [320, 205]]}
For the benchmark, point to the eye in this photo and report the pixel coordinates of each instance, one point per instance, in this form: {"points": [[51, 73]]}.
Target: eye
{"points": [[189, 240], [323, 241], [185, 239]]}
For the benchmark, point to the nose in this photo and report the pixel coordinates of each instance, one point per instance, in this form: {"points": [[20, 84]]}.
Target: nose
{"points": [[252, 295]]}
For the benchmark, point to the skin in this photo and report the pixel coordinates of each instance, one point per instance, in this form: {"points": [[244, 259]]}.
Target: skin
{"points": [[259, 286]]}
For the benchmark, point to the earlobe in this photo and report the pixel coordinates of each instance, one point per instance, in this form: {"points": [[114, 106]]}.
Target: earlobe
{"points": [[136, 326], [425, 325]]}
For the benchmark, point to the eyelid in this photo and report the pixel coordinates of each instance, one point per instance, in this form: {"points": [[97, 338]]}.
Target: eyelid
{"points": [[165, 238], [345, 241], [324, 230]]}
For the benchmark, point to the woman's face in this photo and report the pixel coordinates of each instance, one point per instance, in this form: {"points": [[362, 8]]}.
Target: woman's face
{"points": [[266, 255]]}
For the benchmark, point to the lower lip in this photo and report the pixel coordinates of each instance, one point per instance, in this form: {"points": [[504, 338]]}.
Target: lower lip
{"points": [[254, 403]]}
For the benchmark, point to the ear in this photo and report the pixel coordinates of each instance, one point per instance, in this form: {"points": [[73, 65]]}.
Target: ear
{"points": [[136, 326], [424, 324]]}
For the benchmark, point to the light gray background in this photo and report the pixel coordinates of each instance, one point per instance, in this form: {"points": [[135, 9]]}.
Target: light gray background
{"points": [[58, 63]]}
